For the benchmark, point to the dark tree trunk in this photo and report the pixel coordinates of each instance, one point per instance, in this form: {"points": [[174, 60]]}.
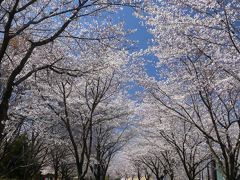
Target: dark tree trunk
{"points": [[213, 170], [139, 175], [56, 175]]}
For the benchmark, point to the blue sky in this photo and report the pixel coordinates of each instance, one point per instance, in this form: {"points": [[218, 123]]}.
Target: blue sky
{"points": [[142, 36], [143, 39], [131, 22]]}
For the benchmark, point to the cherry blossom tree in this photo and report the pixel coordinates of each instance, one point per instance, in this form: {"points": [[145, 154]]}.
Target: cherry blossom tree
{"points": [[110, 135], [159, 163], [54, 53], [60, 160], [36, 26], [197, 43], [70, 107]]}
